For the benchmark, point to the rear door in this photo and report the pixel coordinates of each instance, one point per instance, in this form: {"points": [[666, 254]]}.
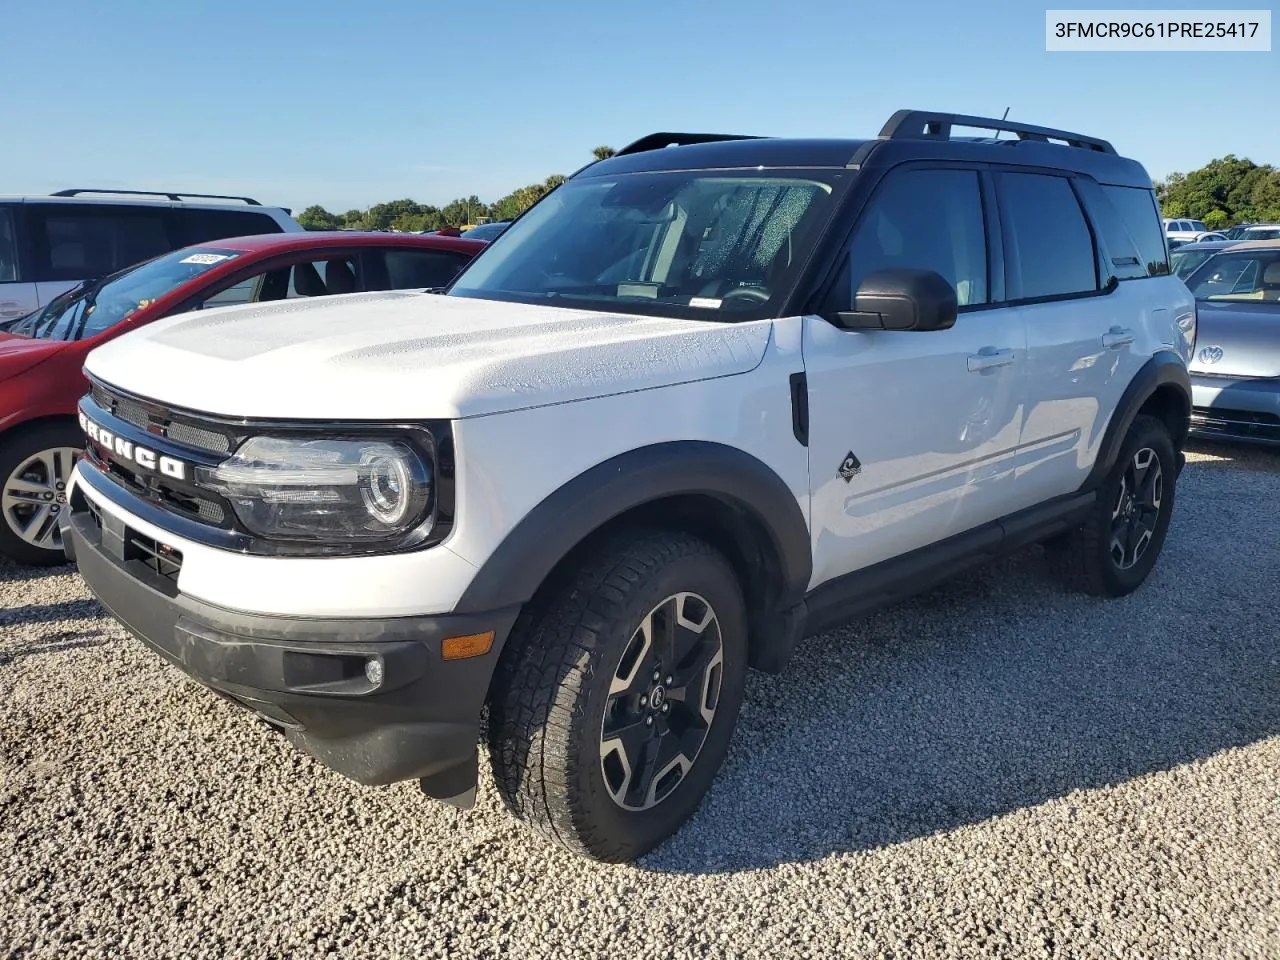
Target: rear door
{"points": [[71, 242], [17, 291], [1085, 321]]}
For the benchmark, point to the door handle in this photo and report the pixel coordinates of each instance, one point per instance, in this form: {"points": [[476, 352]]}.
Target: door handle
{"points": [[1117, 337], [988, 358]]}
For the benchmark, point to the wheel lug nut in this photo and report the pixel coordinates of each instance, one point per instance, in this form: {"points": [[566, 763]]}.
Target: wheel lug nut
{"points": [[666, 707], [669, 679], [657, 675], [648, 721], [644, 701]]}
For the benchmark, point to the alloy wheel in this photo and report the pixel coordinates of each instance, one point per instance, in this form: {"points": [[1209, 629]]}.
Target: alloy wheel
{"points": [[662, 701], [1136, 510], [34, 495]]}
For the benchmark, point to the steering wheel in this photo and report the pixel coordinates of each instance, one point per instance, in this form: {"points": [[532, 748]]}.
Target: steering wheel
{"points": [[752, 294]]}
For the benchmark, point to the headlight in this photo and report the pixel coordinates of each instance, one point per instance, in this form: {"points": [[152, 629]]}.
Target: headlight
{"points": [[333, 490]]}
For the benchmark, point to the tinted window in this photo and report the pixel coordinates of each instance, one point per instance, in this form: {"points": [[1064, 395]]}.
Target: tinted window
{"points": [[83, 243], [1142, 217], [1047, 241], [201, 226], [929, 219], [1120, 258], [8, 247], [411, 269]]}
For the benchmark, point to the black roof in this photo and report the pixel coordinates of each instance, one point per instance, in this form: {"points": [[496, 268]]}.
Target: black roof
{"points": [[907, 135]]}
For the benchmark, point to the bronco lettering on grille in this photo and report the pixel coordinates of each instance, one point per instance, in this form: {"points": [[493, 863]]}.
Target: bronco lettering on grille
{"points": [[127, 450]]}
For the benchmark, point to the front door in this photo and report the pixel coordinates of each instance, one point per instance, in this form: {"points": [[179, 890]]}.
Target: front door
{"points": [[912, 435]]}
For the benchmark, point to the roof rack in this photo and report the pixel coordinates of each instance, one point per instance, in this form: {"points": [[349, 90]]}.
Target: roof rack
{"points": [[926, 125], [157, 193], [656, 141]]}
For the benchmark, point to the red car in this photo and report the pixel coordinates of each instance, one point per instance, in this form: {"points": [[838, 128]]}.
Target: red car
{"points": [[41, 354]]}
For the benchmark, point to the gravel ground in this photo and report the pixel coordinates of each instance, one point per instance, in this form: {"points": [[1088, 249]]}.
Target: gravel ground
{"points": [[997, 768]]}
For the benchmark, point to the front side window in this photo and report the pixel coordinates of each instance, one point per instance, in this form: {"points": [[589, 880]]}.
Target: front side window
{"points": [[1048, 246], [702, 244], [1238, 276], [924, 219], [93, 307]]}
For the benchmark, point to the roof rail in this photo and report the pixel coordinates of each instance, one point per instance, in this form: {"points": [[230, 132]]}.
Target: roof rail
{"points": [[157, 193], [656, 141], [926, 125]]}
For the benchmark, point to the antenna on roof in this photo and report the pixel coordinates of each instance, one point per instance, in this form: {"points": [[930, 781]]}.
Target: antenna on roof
{"points": [[1006, 114]]}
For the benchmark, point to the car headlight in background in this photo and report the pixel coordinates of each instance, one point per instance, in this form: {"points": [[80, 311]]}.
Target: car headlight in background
{"points": [[349, 490]]}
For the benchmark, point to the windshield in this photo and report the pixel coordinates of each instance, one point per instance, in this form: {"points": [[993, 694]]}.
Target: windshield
{"points": [[95, 306], [1186, 258], [702, 244], [1238, 276], [486, 231]]}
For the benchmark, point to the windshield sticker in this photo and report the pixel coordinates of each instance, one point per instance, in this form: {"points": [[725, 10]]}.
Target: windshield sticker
{"points": [[207, 258], [705, 302]]}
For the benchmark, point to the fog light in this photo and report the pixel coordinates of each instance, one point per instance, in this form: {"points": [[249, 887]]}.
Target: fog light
{"points": [[373, 671]]}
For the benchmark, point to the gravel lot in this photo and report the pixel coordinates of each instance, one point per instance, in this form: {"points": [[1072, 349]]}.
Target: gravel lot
{"points": [[997, 769]]}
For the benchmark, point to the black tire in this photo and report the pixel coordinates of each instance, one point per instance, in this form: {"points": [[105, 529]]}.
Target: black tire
{"points": [[1089, 559], [16, 451], [556, 768]]}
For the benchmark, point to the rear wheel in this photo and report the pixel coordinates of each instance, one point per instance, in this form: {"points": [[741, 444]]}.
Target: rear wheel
{"points": [[1114, 551], [35, 468], [616, 697]]}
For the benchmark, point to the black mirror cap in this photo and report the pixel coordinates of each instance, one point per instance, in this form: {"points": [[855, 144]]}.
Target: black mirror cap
{"points": [[903, 298]]}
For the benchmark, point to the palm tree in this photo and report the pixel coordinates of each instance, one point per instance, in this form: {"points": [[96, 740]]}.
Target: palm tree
{"points": [[603, 153]]}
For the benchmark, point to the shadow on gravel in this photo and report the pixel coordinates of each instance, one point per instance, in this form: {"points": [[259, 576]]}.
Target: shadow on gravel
{"points": [[965, 705], [56, 643], [51, 612]]}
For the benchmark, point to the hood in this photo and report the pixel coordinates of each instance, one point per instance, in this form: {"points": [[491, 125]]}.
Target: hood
{"points": [[405, 354], [20, 354], [1237, 339]]}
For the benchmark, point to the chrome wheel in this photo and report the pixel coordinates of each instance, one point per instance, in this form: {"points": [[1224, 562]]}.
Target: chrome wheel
{"points": [[36, 493], [1136, 510], [662, 701]]}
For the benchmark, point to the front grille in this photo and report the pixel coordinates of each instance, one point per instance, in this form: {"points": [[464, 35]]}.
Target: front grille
{"points": [[155, 419]]}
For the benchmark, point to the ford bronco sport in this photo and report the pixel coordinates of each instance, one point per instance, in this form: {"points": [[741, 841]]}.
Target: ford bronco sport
{"points": [[710, 396]]}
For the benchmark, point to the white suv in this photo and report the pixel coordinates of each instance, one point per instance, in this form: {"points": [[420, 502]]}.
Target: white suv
{"points": [[702, 400], [50, 244], [1186, 230]]}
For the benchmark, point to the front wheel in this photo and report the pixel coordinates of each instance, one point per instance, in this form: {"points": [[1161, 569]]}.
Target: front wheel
{"points": [[616, 697], [35, 468], [1115, 550]]}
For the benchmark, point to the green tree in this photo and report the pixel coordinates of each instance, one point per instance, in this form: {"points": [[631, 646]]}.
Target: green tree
{"points": [[603, 153], [317, 217], [1227, 190]]}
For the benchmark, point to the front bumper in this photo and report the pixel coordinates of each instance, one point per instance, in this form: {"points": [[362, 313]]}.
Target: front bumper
{"points": [[373, 699], [1235, 409]]}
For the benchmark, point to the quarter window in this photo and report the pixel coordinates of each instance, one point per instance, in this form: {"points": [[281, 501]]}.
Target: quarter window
{"points": [[926, 219], [1137, 208], [417, 269], [1048, 245]]}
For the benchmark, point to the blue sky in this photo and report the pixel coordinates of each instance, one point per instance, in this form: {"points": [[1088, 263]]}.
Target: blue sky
{"points": [[347, 104]]}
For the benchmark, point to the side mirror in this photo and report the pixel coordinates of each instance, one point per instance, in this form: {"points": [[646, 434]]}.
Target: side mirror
{"points": [[901, 299]]}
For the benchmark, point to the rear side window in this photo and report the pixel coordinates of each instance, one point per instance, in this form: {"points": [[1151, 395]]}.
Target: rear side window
{"points": [[202, 226], [1048, 245], [88, 242], [8, 247], [1137, 207], [412, 269]]}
